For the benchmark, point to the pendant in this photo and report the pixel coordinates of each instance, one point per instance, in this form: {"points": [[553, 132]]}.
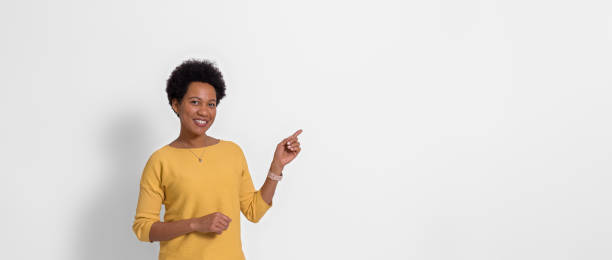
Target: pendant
{"points": [[199, 159]]}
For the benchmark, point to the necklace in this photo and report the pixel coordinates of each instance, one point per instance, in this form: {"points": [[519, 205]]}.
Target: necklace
{"points": [[199, 157]]}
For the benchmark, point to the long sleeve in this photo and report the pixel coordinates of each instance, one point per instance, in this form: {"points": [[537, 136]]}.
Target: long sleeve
{"points": [[149, 200], [252, 203]]}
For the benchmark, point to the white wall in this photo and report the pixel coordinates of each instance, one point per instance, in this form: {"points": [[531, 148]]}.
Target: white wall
{"points": [[432, 129]]}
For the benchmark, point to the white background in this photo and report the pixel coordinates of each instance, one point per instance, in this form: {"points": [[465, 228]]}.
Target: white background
{"points": [[432, 129]]}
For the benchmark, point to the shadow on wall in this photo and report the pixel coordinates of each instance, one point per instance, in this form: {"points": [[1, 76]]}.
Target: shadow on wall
{"points": [[105, 228]]}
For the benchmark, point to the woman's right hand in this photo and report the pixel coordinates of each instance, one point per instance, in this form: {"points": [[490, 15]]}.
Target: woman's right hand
{"points": [[216, 222]]}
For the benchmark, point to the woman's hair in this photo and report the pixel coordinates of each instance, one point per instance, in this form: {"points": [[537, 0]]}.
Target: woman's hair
{"points": [[193, 70]]}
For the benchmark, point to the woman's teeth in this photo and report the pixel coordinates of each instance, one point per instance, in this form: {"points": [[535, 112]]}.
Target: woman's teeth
{"points": [[200, 122]]}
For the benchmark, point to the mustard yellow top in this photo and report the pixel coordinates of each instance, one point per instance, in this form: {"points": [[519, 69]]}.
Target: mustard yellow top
{"points": [[188, 189]]}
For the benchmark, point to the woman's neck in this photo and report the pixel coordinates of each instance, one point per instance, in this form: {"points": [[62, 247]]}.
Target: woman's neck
{"points": [[188, 141]]}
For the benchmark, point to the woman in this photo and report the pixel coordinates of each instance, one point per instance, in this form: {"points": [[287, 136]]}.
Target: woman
{"points": [[203, 182]]}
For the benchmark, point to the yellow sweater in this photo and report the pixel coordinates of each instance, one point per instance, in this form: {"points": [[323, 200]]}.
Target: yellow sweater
{"points": [[190, 189]]}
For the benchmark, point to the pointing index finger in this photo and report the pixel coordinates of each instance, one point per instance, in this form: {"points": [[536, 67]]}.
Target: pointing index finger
{"points": [[297, 133]]}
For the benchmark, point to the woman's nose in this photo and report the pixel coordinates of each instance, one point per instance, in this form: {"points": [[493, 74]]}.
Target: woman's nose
{"points": [[203, 112]]}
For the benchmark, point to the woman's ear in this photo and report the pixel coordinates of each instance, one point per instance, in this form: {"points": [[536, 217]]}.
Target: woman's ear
{"points": [[175, 106]]}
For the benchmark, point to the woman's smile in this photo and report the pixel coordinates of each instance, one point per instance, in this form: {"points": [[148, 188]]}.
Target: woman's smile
{"points": [[200, 123]]}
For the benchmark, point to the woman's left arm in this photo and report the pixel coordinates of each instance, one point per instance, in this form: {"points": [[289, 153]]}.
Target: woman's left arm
{"points": [[285, 152]]}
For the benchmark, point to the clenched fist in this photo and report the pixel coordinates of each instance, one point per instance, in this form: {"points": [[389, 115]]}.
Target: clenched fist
{"points": [[215, 222]]}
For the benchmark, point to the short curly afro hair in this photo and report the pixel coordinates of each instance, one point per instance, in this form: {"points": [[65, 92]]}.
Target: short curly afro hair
{"points": [[194, 70]]}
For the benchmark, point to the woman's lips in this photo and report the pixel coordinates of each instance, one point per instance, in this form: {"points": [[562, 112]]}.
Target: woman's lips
{"points": [[200, 123]]}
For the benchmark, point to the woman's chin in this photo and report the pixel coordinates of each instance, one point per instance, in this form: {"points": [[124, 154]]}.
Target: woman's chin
{"points": [[197, 132]]}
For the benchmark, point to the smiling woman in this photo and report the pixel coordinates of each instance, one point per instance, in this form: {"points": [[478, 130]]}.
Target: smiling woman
{"points": [[197, 111], [203, 182]]}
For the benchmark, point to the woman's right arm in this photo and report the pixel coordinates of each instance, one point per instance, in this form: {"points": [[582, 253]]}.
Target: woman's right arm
{"points": [[162, 231], [150, 200], [216, 222]]}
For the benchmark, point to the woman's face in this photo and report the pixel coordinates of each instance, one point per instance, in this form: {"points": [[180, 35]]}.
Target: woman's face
{"points": [[198, 108]]}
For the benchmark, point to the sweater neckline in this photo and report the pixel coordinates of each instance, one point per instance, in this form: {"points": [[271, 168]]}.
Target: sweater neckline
{"points": [[195, 148]]}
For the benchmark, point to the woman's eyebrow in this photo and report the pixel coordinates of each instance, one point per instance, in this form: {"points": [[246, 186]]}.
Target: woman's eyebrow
{"points": [[212, 99]]}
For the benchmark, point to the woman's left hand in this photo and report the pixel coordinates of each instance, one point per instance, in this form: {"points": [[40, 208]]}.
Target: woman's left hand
{"points": [[287, 150]]}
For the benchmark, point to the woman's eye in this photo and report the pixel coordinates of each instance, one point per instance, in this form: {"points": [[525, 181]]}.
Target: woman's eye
{"points": [[212, 104], [195, 102]]}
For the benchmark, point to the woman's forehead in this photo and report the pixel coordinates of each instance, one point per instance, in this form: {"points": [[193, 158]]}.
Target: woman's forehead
{"points": [[201, 90]]}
